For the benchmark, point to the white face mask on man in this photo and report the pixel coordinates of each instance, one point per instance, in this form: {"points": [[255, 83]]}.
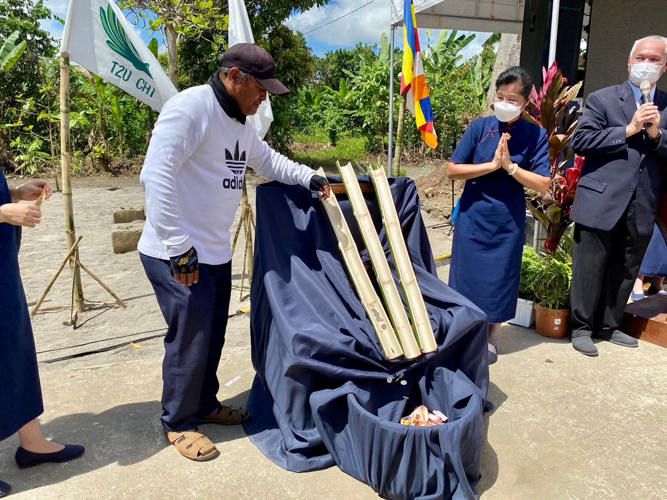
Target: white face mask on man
{"points": [[645, 71], [506, 111]]}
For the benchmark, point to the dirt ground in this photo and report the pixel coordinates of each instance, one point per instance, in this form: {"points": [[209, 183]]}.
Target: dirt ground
{"points": [[439, 194], [43, 249]]}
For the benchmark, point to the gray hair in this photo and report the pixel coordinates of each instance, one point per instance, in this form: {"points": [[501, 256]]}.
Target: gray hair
{"points": [[651, 37], [243, 76]]}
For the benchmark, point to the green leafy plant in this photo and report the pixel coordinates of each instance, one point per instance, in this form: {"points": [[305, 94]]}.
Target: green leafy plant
{"points": [[529, 269], [10, 51], [30, 158], [550, 109], [442, 59], [546, 279]]}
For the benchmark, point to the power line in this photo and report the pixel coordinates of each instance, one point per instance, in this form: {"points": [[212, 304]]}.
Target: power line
{"points": [[341, 17]]}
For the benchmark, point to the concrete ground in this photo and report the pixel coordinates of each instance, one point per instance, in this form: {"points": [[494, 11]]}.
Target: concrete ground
{"points": [[564, 427]]}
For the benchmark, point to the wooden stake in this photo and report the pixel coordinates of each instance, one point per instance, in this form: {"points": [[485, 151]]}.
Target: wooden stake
{"points": [[99, 281], [65, 169], [60, 270], [247, 224]]}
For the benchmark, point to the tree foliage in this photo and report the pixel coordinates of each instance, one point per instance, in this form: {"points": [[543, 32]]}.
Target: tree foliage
{"points": [[342, 95]]}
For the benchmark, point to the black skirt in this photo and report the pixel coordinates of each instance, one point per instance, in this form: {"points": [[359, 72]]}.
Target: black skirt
{"points": [[20, 391]]}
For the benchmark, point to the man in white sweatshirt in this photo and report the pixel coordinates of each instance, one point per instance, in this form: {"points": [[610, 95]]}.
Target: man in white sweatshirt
{"points": [[193, 179]]}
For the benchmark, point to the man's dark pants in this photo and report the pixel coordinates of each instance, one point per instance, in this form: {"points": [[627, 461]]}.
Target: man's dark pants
{"points": [[196, 318], [605, 265]]}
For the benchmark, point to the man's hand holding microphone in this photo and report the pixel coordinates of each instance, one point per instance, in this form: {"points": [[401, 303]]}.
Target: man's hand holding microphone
{"points": [[647, 116]]}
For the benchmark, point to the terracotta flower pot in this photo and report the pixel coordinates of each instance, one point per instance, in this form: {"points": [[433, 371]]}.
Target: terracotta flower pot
{"points": [[552, 323]]}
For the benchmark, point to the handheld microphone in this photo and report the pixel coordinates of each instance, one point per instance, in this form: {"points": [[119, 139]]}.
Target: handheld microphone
{"points": [[645, 87]]}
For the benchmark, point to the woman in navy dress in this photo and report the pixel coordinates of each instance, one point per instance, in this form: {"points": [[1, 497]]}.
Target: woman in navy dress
{"points": [[20, 391], [654, 265], [497, 157]]}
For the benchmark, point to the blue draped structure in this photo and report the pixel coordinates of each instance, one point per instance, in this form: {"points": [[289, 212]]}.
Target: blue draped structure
{"points": [[324, 394]]}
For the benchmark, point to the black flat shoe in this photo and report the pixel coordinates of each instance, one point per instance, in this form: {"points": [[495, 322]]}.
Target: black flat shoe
{"points": [[25, 458], [4, 488]]}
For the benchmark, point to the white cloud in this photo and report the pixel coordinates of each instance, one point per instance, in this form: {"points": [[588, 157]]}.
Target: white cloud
{"points": [[58, 7], [365, 25]]}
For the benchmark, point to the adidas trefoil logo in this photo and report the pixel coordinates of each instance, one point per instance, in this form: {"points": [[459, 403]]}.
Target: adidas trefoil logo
{"points": [[236, 163]]}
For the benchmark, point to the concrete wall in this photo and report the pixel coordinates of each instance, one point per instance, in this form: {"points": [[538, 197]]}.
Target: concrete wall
{"points": [[615, 25]]}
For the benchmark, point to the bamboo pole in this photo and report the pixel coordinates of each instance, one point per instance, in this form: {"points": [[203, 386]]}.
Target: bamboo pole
{"points": [[65, 169], [355, 267], [403, 263], [101, 283], [60, 270], [391, 101], [397, 314], [396, 167]]}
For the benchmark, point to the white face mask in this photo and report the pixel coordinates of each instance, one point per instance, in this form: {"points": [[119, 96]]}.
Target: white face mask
{"points": [[506, 111], [645, 71]]}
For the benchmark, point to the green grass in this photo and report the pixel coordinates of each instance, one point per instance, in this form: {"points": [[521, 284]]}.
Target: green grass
{"points": [[315, 151]]}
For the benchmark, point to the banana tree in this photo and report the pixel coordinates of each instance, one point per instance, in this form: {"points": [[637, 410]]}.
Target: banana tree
{"points": [[479, 79], [441, 60], [10, 52], [550, 109]]}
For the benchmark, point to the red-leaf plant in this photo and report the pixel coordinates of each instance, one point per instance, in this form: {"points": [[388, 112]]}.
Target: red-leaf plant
{"points": [[550, 109]]}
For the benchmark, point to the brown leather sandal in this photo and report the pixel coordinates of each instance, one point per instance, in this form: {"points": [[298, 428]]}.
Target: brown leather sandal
{"points": [[193, 445], [226, 415]]}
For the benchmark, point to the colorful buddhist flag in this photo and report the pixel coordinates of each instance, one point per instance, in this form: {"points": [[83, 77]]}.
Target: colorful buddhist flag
{"points": [[413, 81]]}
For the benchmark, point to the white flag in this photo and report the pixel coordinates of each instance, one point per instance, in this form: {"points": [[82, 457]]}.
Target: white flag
{"points": [[240, 32], [98, 37]]}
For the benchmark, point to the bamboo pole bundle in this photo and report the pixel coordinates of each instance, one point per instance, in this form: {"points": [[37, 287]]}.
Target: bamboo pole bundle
{"points": [[369, 299], [406, 272], [397, 313], [67, 188]]}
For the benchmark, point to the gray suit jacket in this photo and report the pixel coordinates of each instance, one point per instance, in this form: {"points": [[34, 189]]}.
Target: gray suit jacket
{"points": [[616, 167]]}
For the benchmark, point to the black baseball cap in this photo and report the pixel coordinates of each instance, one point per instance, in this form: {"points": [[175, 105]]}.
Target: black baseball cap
{"points": [[256, 61]]}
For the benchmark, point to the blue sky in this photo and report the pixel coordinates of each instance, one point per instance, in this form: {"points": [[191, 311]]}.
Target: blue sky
{"points": [[366, 26]]}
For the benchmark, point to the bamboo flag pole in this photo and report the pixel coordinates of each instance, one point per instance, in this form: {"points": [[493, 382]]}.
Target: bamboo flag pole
{"points": [[402, 262], [65, 169], [367, 295], [395, 308]]}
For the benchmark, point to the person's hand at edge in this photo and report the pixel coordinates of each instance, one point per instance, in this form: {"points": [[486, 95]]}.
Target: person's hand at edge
{"points": [[20, 214], [321, 185], [31, 191], [186, 268]]}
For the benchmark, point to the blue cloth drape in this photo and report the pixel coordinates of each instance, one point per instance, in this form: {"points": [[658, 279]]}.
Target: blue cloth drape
{"points": [[324, 394]]}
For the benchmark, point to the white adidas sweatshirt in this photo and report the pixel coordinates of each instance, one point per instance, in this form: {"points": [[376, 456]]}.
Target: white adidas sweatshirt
{"points": [[193, 176]]}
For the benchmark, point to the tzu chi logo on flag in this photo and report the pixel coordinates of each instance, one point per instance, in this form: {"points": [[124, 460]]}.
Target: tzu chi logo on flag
{"points": [[236, 163], [98, 37]]}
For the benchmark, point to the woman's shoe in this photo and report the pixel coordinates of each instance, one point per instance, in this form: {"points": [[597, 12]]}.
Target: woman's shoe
{"points": [[637, 296], [492, 354], [25, 458], [4, 488]]}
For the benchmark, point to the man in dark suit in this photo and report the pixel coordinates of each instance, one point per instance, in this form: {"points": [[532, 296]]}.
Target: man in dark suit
{"points": [[624, 142]]}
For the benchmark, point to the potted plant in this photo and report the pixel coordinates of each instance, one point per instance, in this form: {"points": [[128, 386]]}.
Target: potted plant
{"points": [[525, 312], [551, 278]]}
